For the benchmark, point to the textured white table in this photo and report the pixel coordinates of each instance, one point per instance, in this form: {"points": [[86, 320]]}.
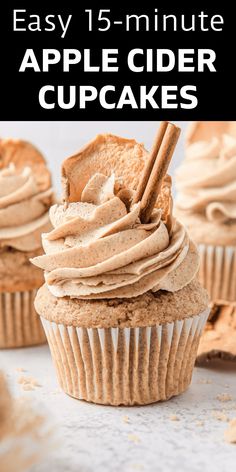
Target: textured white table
{"points": [[105, 439]]}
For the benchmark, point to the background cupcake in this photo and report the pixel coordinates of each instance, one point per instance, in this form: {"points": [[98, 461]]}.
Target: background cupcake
{"points": [[121, 307], [206, 204], [25, 196]]}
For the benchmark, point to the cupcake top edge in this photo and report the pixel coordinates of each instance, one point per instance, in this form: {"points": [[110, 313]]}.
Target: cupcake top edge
{"points": [[142, 311]]}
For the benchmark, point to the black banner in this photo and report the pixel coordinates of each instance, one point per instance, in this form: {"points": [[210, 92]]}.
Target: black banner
{"points": [[117, 61]]}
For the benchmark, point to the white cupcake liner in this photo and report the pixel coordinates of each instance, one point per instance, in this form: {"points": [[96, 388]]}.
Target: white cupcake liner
{"points": [[125, 365], [218, 272], [19, 323]]}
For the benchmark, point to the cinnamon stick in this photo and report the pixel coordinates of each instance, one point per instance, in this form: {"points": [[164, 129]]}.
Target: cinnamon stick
{"points": [[158, 171], [150, 162]]}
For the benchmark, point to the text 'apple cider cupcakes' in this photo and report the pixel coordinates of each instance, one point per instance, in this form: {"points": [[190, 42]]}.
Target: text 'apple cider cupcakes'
{"points": [[206, 204], [25, 197], [121, 306]]}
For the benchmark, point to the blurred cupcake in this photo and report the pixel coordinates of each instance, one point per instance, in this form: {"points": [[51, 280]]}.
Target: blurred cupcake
{"points": [[25, 435], [121, 307], [206, 204], [25, 196]]}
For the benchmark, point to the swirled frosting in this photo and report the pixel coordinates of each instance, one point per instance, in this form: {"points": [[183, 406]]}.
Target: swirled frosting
{"points": [[206, 181], [99, 249], [23, 209]]}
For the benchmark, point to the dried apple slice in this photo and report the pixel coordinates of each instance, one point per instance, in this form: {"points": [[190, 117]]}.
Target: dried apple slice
{"points": [[108, 154]]}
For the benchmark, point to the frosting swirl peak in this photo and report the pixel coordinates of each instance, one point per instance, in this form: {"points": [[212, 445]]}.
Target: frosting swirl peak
{"points": [[23, 209], [99, 248]]}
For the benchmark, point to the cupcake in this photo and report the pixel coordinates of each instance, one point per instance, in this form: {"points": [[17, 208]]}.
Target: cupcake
{"points": [[25, 197], [206, 204], [121, 306]]}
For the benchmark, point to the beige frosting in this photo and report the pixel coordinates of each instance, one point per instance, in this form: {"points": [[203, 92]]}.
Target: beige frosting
{"points": [[206, 180], [99, 249], [23, 209]]}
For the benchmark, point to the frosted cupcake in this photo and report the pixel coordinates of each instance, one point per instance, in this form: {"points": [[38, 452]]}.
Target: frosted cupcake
{"points": [[121, 306], [25, 196], [206, 204]]}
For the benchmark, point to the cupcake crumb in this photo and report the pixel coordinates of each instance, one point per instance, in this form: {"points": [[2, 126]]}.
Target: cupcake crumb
{"points": [[137, 466], [224, 397], [199, 423], [230, 432], [204, 381], [125, 419], [220, 415], [174, 418], [134, 438], [28, 383], [27, 387], [20, 369]]}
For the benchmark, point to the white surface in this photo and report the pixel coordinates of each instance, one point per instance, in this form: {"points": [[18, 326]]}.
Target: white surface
{"points": [[92, 438], [58, 140]]}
